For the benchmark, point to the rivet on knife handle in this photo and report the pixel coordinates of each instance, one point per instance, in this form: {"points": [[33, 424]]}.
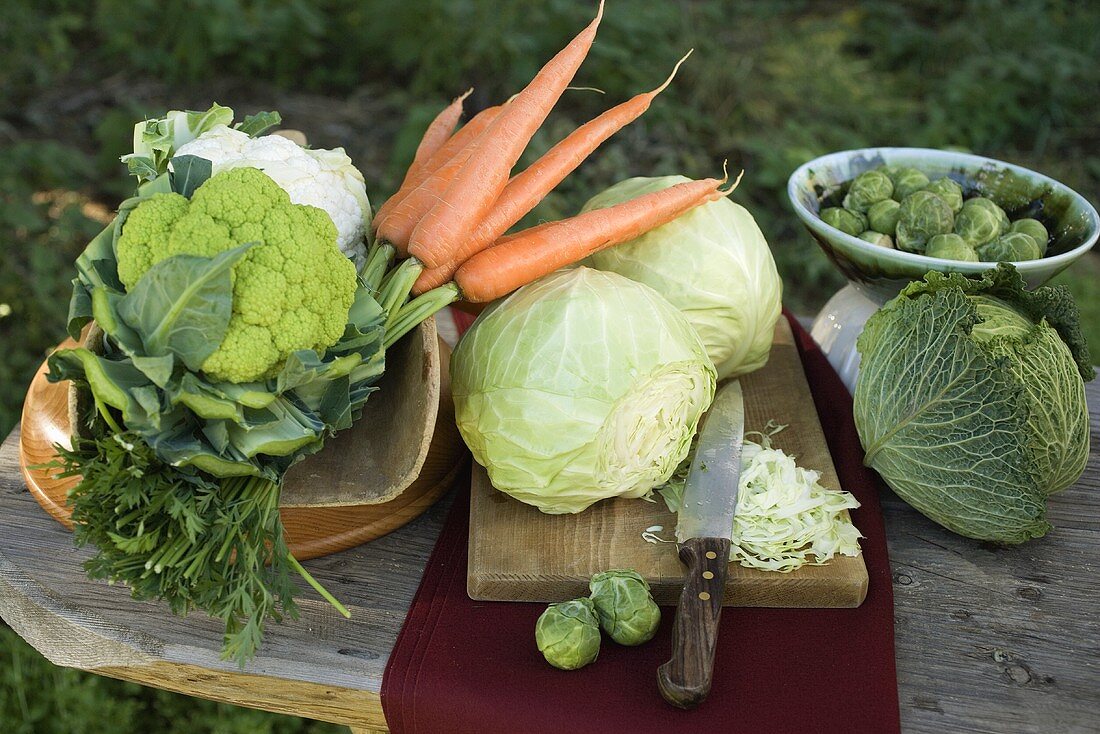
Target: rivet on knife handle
{"points": [[686, 678]]}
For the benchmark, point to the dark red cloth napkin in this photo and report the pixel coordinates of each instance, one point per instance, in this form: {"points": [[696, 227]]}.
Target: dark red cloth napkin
{"points": [[468, 666]]}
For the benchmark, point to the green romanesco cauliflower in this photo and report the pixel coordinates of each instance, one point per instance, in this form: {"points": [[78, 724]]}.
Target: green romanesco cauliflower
{"points": [[291, 291]]}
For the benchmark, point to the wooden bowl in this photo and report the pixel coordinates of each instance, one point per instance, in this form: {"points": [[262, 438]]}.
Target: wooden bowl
{"points": [[391, 466], [383, 453]]}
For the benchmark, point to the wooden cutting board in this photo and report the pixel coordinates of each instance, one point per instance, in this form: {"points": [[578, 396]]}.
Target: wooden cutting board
{"points": [[520, 554]]}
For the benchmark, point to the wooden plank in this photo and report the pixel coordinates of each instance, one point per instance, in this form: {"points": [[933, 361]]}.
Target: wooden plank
{"points": [[520, 554], [270, 693], [320, 666]]}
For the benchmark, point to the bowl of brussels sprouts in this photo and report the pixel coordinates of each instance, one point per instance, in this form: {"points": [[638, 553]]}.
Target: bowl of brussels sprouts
{"points": [[887, 216]]}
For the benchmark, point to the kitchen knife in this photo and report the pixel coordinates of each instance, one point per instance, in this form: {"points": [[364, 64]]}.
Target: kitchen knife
{"points": [[704, 526]]}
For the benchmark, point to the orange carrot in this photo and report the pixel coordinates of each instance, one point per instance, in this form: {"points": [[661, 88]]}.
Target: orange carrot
{"points": [[527, 189], [478, 185], [407, 213], [438, 132], [434, 277], [465, 135], [533, 253]]}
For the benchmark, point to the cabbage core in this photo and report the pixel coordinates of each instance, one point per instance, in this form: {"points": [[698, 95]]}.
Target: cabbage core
{"points": [[646, 436]]}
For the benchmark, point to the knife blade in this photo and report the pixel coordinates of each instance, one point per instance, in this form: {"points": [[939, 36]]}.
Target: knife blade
{"points": [[710, 493], [703, 528]]}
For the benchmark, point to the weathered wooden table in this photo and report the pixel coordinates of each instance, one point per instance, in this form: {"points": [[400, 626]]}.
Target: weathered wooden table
{"points": [[988, 639]]}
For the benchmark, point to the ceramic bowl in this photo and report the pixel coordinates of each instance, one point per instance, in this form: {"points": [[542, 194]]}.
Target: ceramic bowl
{"points": [[880, 273], [876, 274]]}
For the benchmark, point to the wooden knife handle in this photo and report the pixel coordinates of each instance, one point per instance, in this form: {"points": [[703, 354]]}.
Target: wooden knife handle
{"points": [[685, 679]]}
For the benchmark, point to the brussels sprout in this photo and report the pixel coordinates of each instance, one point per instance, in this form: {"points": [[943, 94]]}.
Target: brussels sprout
{"points": [[625, 607], [950, 247], [987, 203], [923, 215], [869, 187], [883, 216], [568, 634], [907, 181], [891, 170], [1034, 228], [981, 221], [1011, 247], [949, 191], [877, 238], [846, 220]]}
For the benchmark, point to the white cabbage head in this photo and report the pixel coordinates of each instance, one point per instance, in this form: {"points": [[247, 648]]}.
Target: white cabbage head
{"points": [[713, 264], [579, 387]]}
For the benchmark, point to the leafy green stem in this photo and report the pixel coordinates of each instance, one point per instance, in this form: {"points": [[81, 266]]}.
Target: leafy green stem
{"points": [[378, 262], [183, 537], [419, 309], [297, 566], [396, 287], [105, 413]]}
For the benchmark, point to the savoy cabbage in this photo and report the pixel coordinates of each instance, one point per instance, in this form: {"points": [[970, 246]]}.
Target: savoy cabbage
{"points": [[970, 401]]}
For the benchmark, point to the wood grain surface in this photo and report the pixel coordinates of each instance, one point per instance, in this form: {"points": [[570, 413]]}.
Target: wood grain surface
{"points": [[520, 554], [312, 531], [989, 640]]}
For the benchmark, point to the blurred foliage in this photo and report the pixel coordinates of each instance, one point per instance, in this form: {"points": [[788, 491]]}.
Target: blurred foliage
{"points": [[44, 225], [772, 83]]}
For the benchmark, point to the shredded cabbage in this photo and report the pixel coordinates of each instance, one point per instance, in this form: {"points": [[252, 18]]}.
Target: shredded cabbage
{"points": [[785, 518]]}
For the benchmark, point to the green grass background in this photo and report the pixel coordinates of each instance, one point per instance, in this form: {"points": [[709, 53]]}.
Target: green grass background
{"points": [[772, 83]]}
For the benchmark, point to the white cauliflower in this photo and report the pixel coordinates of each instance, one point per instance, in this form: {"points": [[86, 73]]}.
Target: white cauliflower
{"points": [[325, 179]]}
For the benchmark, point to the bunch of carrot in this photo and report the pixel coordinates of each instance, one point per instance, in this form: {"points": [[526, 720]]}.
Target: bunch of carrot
{"points": [[449, 217]]}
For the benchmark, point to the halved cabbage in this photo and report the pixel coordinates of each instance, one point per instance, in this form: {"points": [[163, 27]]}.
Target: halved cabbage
{"points": [[581, 386]]}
